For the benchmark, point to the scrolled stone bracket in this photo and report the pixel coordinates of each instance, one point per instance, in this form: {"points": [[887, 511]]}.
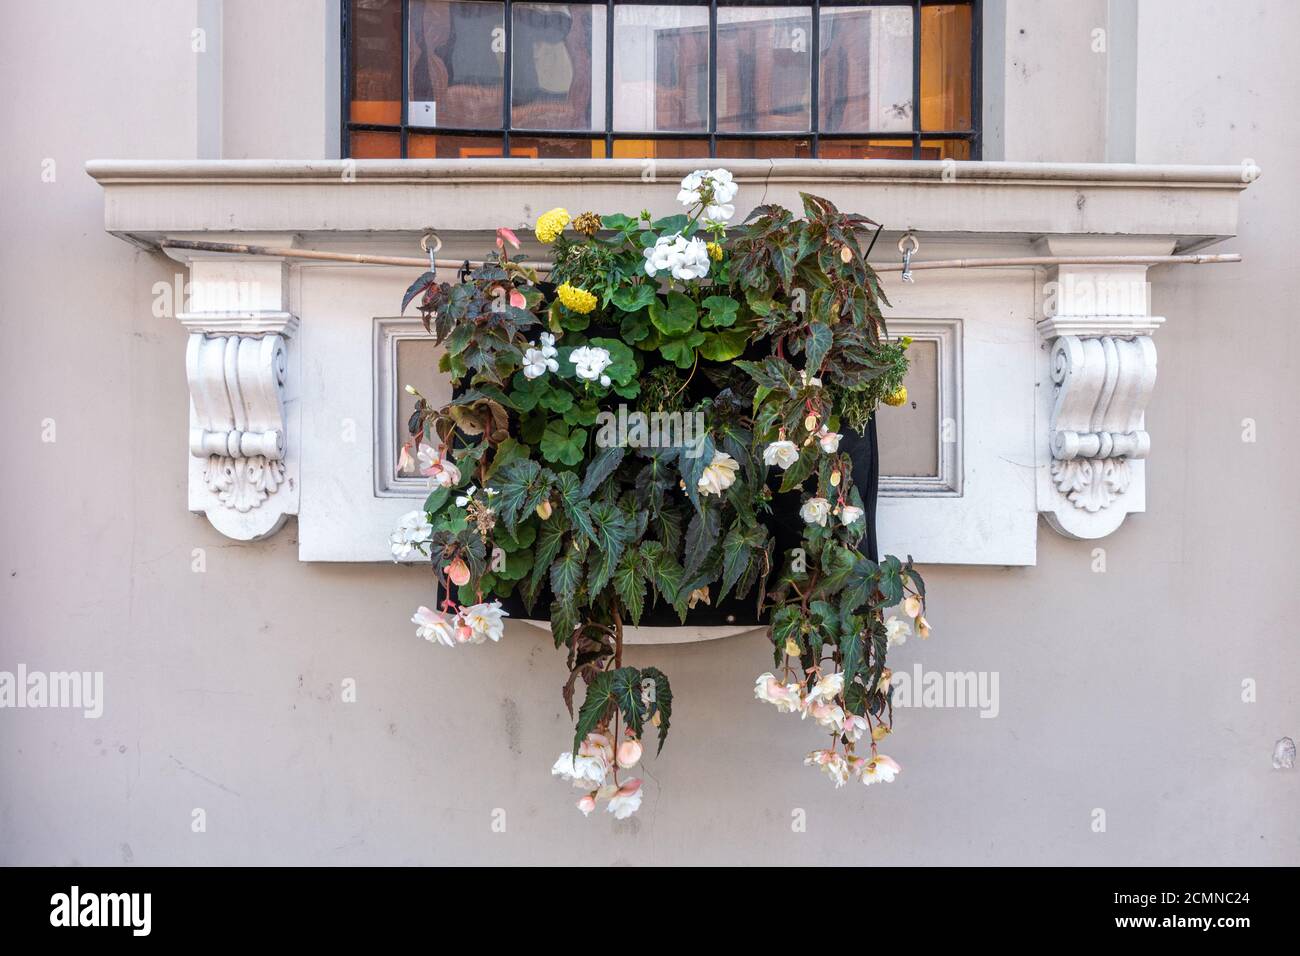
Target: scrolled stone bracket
{"points": [[1098, 378], [240, 366]]}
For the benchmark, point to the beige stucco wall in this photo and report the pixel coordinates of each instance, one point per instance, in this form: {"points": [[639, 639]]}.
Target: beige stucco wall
{"points": [[1118, 690]]}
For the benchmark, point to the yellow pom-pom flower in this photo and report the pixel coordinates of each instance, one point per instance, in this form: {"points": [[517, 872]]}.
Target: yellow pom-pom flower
{"points": [[575, 299], [551, 224], [897, 397], [715, 251]]}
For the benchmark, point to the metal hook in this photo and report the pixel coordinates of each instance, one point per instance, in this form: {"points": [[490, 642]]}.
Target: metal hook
{"points": [[908, 246], [464, 271], [424, 247]]}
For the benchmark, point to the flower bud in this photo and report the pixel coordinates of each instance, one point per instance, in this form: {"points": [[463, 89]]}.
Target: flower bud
{"points": [[629, 753], [587, 804], [458, 571], [544, 509]]}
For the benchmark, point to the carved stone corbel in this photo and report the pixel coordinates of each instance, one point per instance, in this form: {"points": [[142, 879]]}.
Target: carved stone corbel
{"points": [[243, 463], [1099, 376]]}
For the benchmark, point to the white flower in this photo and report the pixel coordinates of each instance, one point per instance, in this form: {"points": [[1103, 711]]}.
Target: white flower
{"points": [[546, 344], [590, 363], [850, 514], [413, 529], [832, 764], [879, 769], [719, 474], [830, 716], [828, 688], [786, 697], [783, 453], [829, 440], [484, 621], [437, 467], [896, 631], [815, 510], [684, 258], [626, 801], [815, 382], [434, 626], [463, 500], [536, 363], [585, 773], [912, 605], [854, 727], [723, 188]]}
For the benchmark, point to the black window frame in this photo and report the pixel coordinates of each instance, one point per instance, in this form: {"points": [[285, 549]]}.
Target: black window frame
{"points": [[814, 136]]}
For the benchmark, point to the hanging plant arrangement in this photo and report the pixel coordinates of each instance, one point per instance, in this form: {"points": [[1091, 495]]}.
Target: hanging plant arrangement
{"points": [[625, 436]]}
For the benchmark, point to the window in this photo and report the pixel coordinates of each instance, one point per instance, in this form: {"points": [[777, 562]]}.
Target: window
{"points": [[831, 79]]}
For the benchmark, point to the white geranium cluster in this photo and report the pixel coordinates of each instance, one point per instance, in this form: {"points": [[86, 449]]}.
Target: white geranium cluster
{"points": [[589, 769], [540, 357], [712, 189], [473, 624], [681, 257], [590, 363], [822, 702], [412, 533]]}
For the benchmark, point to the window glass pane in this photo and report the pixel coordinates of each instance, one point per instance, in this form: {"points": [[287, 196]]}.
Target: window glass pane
{"points": [[909, 434], [660, 148], [945, 149], [376, 54], [945, 67], [558, 66], [764, 69], [457, 55], [866, 69], [661, 68], [429, 146], [538, 147], [764, 149], [865, 149], [363, 144]]}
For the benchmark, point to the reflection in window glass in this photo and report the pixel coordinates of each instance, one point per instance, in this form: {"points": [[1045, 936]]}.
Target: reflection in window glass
{"points": [[661, 68], [558, 66], [945, 67], [660, 148], [376, 54], [457, 64], [866, 69], [765, 148], [764, 69]]}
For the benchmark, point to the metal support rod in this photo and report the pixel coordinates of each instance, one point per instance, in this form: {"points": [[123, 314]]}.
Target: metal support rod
{"points": [[284, 252]]}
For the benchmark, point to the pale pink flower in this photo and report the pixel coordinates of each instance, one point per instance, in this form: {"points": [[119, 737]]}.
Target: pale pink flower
{"points": [[832, 763]]}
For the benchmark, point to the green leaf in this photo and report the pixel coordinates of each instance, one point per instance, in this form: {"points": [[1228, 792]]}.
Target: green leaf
{"points": [[798, 473], [724, 346], [566, 572], [701, 537], [549, 541], [426, 280], [816, 346], [609, 534], [437, 499], [559, 444], [852, 655], [635, 326], [674, 317], [722, 311], [630, 583], [521, 483], [661, 701], [631, 298], [625, 688], [564, 620], [600, 695], [736, 555], [601, 467], [681, 350]]}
